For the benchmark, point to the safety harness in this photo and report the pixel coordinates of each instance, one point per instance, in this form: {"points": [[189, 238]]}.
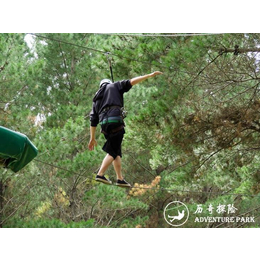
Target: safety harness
{"points": [[113, 131], [115, 119], [112, 119]]}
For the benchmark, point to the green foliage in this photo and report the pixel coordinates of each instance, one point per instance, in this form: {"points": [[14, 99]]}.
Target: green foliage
{"points": [[113, 198], [138, 222], [196, 126], [49, 223]]}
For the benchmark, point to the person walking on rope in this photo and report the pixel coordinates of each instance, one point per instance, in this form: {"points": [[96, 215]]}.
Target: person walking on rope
{"points": [[107, 109]]}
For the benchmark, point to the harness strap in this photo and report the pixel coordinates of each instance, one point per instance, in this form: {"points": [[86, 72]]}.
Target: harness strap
{"points": [[113, 131], [112, 119]]}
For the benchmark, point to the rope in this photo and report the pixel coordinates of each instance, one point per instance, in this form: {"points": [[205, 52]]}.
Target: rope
{"points": [[159, 188], [103, 52], [69, 43], [110, 66], [55, 166], [159, 35]]}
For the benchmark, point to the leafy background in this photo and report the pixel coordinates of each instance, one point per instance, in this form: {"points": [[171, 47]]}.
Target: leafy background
{"points": [[192, 134]]}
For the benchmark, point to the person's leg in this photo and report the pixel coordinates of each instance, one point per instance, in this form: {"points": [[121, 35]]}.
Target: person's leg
{"points": [[120, 180], [117, 167], [114, 154], [105, 164]]}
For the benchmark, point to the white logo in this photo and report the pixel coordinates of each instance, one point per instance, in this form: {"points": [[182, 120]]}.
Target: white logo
{"points": [[176, 213]]}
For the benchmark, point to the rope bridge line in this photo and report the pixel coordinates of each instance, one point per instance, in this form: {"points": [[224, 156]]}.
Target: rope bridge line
{"points": [[107, 52], [222, 193], [159, 35]]}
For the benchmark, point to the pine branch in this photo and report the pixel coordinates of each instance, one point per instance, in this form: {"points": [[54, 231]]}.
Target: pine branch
{"points": [[236, 50]]}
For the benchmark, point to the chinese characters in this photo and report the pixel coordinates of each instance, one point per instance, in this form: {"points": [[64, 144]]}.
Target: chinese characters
{"points": [[220, 209]]}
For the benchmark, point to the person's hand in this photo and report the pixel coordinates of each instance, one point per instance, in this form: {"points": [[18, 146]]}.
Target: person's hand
{"points": [[156, 73], [92, 143]]}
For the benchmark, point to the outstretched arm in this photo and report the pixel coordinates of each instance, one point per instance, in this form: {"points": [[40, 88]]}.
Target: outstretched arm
{"points": [[139, 79]]}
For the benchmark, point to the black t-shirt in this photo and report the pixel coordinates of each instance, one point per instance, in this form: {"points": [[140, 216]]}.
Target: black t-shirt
{"points": [[109, 95]]}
